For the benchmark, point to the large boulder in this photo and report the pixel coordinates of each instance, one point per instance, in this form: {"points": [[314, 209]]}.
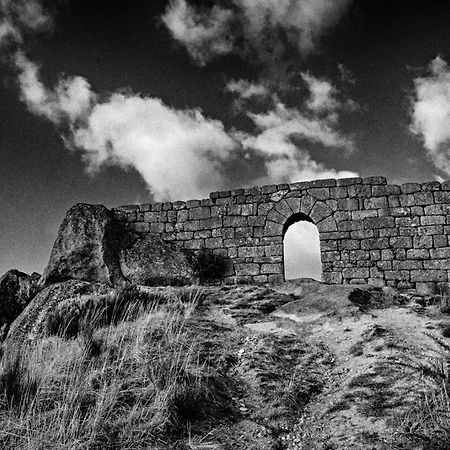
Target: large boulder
{"points": [[87, 247], [151, 261], [16, 291], [32, 322]]}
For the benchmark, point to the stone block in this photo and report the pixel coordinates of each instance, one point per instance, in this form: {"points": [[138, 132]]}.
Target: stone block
{"points": [[328, 245], [155, 227], [335, 235], [250, 252], [358, 255], [439, 264], [202, 234], [397, 275], [127, 208], [430, 230], [384, 265], [439, 241], [172, 216], [264, 208], [379, 222], [360, 215], [294, 203], [284, 209], [348, 181], [234, 210], [446, 185], [375, 244], [431, 186], [247, 269], [327, 225], [393, 201], [319, 212], [273, 250], [349, 244], [195, 244], [440, 253], [400, 242], [214, 222], [362, 234], [375, 202], [307, 204], [214, 195], [387, 255], [420, 253], [410, 188], [350, 273], [400, 212], [342, 216], [185, 235], [260, 279], [426, 288], [271, 268], [427, 275], [407, 221], [379, 191], [237, 192], [442, 197], [330, 256], [276, 278], [142, 227], [339, 192], [407, 200], [407, 265], [192, 204], [299, 186], [235, 221], [319, 193], [192, 225], [248, 210], [375, 255], [417, 211], [256, 221], [332, 277], [376, 282], [388, 232], [350, 225], [374, 180], [167, 206], [432, 210], [218, 210], [243, 232], [214, 242], [423, 198], [269, 189], [347, 204], [328, 182]]}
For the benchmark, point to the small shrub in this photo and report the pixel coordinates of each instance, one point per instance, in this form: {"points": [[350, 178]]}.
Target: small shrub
{"points": [[209, 266]]}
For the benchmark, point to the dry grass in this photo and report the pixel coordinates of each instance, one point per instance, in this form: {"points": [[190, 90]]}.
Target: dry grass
{"points": [[125, 380]]}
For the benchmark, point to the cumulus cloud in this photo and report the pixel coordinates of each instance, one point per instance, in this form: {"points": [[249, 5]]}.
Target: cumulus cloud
{"points": [[263, 28], [246, 89], [179, 153], [430, 112]]}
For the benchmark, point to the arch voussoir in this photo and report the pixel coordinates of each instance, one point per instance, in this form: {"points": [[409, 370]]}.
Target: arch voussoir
{"points": [[320, 211], [307, 204]]}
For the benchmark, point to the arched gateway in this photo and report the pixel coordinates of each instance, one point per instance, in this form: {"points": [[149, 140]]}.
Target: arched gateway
{"points": [[369, 231]]}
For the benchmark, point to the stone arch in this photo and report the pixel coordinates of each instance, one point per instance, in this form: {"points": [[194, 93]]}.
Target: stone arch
{"points": [[293, 208]]}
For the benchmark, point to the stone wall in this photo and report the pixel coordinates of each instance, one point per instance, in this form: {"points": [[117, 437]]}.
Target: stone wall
{"points": [[370, 232]]}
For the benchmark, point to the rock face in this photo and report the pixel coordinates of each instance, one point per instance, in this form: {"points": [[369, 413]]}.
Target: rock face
{"points": [[151, 261], [16, 290], [87, 247], [32, 322]]}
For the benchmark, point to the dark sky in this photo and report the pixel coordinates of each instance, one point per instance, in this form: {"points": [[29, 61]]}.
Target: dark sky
{"points": [[126, 48]]}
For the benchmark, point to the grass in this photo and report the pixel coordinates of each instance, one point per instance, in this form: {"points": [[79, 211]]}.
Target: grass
{"points": [[112, 374]]}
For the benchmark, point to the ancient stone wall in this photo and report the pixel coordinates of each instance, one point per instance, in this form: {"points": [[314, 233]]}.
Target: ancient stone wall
{"points": [[370, 232]]}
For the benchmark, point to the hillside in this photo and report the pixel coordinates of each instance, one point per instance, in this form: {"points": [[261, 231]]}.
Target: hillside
{"points": [[300, 365]]}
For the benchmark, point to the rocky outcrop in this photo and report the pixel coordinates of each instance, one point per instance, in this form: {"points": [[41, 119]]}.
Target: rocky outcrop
{"points": [[32, 322], [87, 247], [151, 261], [16, 290]]}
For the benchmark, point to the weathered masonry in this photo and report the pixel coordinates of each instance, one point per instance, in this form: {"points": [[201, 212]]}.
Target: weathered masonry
{"points": [[370, 232]]}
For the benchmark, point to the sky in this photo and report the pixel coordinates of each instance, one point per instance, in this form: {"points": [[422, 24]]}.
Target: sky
{"points": [[148, 100]]}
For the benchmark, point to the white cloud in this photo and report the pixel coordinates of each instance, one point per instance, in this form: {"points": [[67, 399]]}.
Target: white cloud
{"points": [[246, 89], [258, 27], [17, 16], [287, 161], [322, 95], [178, 153], [70, 100], [431, 112], [205, 34]]}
